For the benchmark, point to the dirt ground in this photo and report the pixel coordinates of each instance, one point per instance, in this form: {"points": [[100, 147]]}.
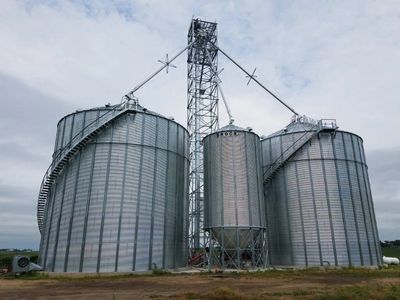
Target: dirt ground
{"points": [[195, 286]]}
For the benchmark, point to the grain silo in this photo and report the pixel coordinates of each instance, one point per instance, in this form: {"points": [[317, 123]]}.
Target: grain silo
{"points": [[318, 197], [115, 197], [233, 198]]}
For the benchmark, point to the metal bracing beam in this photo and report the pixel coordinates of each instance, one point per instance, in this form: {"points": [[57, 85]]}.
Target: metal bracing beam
{"points": [[252, 77], [220, 88], [166, 64]]}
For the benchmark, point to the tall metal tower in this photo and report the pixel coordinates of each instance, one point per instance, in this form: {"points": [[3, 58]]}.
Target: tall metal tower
{"points": [[202, 117]]}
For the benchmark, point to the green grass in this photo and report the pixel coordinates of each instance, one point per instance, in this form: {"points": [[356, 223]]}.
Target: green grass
{"points": [[7, 256], [364, 289], [360, 291], [375, 291], [363, 273], [221, 293], [389, 272], [26, 276], [391, 252]]}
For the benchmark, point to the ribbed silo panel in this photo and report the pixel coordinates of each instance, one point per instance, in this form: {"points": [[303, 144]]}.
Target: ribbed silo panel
{"points": [[46, 233], [207, 192], [241, 182], [233, 193], [260, 206], [273, 243], [91, 117], [63, 129], [280, 226], [55, 212], [367, 216], [329, 203], [309, 216], [129, 209], [144, 209], [180, 232], [349, 213], [173, 138], [119, 204], [271, 150], [66, 215], [216, 209], [335, 212], [326, 238], [82, 190], [186, 200], [60, 135], [253, 167], [67, 132], [135, 128], [229, 191], [278, 222], [348, 146], [295, 215], [372, 212], [314, 150], [359, 215], [338, 144], [170, 222], [93, 219], [112, 205], [356, 148], [162, 135], [159, 203], [79, 121], [276, 145], [286, 142], [362, 152], [266, 154], [57, 142]]}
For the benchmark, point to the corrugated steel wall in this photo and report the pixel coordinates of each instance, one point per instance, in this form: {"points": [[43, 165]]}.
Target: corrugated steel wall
{"points": [[233, 180], [121, 203], [319, 205], [233, 198]]}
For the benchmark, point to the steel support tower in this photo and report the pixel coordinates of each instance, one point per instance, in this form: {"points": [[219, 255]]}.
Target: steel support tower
{"points": [[202, 118]]}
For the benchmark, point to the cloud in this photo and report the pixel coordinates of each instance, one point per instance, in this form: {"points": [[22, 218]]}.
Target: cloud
{"points": [[384, 172], [26, 143], [326, 59]]}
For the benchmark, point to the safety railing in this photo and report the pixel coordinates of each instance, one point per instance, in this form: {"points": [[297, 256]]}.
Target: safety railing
{"points": [[321, 125], [64, 155]]}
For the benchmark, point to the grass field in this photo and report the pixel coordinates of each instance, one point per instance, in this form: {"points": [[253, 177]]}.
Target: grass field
{"points": [[351, 283], [313, 283], [6, 257], [391, 252]]}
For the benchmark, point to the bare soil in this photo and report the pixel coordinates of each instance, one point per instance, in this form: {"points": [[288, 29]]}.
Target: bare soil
{"points": [[194, 286]]}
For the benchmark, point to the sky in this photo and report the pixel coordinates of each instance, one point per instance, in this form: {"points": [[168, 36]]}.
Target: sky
{"points": [[327, 59]]}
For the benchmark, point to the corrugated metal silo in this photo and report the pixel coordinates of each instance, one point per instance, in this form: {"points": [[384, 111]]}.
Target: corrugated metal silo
{"points": [[233, 198], [119, 201], [319, 204]]}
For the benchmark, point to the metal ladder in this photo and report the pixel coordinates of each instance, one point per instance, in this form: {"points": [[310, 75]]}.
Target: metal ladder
{"points": [[321, 125], [64, 156]]}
